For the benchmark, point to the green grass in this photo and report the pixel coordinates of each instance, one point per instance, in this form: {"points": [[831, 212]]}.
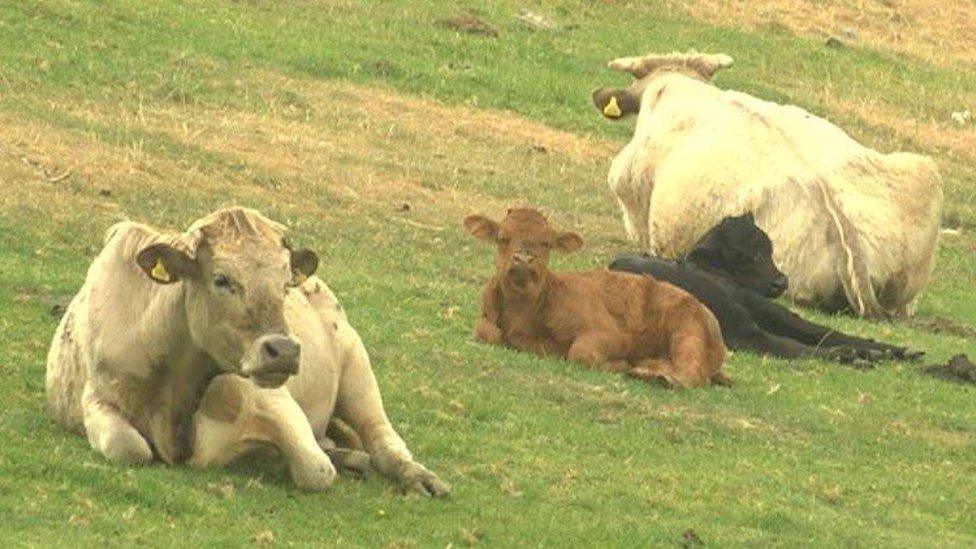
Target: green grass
{"points": [[539, 452]]}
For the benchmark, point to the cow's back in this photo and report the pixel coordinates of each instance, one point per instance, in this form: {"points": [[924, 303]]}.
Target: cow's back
{"points": [[847, 222]]}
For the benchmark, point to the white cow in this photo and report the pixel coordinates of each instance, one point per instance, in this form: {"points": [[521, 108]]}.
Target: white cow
{"points": [[853, 228], [201, 346]]}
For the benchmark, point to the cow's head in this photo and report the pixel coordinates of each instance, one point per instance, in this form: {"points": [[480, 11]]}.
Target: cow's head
{"points": [[524, 239], [740, 251], [235, 277], [616, 103]]}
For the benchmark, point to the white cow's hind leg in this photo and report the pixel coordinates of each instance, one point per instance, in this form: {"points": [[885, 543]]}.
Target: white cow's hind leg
{"points": [[635, 206], [629, 223], [235, 417], [111, 434]]}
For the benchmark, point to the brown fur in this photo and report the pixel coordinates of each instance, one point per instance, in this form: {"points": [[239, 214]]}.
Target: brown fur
{"points": [[609, 320]]}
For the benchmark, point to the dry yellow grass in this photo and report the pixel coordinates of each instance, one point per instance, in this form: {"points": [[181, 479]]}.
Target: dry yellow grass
{"points": [[377, 148], [942, 32]]}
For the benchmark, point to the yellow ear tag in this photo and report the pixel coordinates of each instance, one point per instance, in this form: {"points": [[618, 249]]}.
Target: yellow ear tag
{"points": [[159, 271], [612, 110], [300, 277]]}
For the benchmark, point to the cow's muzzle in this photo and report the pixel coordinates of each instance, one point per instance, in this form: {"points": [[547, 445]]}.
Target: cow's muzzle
{"points": [[780, 284], [277, 359]]}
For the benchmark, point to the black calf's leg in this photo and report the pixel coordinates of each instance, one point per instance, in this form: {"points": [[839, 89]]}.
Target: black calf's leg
{"points": [[781, 321], [782, 347]]}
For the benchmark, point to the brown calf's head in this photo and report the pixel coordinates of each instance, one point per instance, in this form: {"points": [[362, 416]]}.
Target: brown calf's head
{"points": [[616, 103], [524, 239], [236, 276], [741, 252]]}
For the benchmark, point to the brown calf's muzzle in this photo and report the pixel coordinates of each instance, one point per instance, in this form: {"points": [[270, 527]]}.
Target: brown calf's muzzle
{"points": [[522, 258]]}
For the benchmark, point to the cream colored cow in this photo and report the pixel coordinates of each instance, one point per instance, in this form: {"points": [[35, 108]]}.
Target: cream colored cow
{"points": [[201, 346], [851, 227]]}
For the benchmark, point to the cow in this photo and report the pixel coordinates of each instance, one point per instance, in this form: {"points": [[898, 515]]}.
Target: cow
{"points": [[854, 229], [731, 271], [198, 347], [618, 322]]}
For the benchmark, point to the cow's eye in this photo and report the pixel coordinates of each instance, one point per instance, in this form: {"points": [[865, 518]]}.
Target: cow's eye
{"points": [[223, 282], [504, 241]]}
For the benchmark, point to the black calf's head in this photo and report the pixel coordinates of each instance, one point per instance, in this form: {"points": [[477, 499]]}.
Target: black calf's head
{"points": [[739, 251]]}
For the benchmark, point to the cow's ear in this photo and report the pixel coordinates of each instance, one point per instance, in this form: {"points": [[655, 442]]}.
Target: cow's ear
{"points": [[481, 227], [709, 64], [616, 103], [568, 241], [165, 264], [304, 262]]}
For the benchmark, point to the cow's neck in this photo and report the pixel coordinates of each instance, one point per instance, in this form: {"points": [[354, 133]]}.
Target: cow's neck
{"points": [[526, 299], [186, 372]]}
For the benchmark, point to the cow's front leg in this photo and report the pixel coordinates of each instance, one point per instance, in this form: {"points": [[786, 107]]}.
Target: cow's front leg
{"points": [[354, 463], [591, 349], [235, 416], [111, 434], [486, 331], [360, 405]]}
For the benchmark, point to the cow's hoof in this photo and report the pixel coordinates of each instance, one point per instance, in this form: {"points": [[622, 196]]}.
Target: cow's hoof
{"points": [[128, 448], [414, 478], [861, 364], [871, 355], [313, 475], [351, 463]]}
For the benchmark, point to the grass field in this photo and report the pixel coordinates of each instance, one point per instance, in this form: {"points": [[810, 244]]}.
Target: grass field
{"points": [[371, 128]]}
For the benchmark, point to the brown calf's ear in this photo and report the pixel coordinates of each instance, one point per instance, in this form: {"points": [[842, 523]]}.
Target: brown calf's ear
{"points": [[615, 103], [481, 227], [304, 262], [568, 241], [165, 264]]}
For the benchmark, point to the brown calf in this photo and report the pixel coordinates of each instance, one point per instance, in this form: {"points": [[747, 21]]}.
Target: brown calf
{"points": [[610, 320]]}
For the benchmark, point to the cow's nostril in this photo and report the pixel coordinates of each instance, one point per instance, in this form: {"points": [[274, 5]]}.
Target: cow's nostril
{"points": [[269, 349], [280, 348]]}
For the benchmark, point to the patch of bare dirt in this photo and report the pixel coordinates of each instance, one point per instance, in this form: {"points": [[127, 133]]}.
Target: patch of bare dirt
{"points": [[471, 24], [939, 31], [941, 325], [959, 369], [313, 145]]}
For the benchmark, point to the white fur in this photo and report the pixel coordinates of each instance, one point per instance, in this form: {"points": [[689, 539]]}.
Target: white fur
{"points": [[846, 221], [122, 363]]}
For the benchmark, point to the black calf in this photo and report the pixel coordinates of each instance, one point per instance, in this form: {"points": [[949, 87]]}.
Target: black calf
{"points": [[731, 271]]}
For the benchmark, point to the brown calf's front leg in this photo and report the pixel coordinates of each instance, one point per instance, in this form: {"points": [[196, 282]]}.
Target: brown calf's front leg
{"points": [[591, 349], [488, 332], [236, 416]]}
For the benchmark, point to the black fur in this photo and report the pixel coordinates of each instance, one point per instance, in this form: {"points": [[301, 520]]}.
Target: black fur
{"points": [[731, 271]]}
